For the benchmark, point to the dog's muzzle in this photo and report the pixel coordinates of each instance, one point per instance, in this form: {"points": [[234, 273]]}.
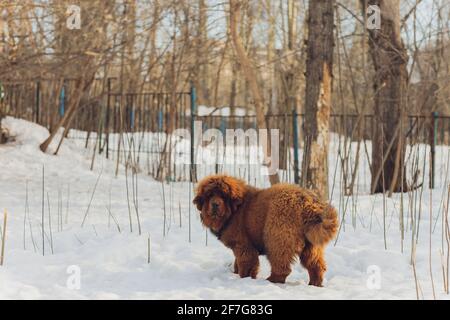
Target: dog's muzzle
{"points": [[214, 209]]}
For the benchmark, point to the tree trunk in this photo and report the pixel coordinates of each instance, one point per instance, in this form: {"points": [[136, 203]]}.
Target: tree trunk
{"points": [[250, 76], [288, 79], [3, 134], [319, 66], [65, 121], [233, 91], [270, 70], [2, 49], [80, 66], [390, 60], [131, 76]]}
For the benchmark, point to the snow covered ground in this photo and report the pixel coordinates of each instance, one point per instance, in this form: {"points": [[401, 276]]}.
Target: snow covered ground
{"points": [[185, 262]]}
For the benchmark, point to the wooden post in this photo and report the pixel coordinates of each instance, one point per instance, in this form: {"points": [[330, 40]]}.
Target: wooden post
{"points": [[2, 255]]}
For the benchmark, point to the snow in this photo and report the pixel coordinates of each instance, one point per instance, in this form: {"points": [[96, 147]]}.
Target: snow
{"points": [[114, 265]]}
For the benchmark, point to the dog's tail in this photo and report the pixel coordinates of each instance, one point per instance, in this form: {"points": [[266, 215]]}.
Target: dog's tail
{"points": [[321, 226]]}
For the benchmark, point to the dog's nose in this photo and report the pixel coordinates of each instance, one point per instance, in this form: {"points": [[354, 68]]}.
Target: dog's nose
{"points": [[215, 206]]}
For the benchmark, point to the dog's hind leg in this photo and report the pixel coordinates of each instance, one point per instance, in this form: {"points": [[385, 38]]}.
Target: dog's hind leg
{"points": [[282, 250], [311, 257]]}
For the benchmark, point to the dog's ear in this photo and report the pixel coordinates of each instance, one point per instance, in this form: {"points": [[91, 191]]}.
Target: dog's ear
{"points": [[235, 203], [235, 190], [198, 201]]}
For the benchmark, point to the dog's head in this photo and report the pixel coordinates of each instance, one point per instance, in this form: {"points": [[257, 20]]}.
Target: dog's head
{"points": [[217, 198]]}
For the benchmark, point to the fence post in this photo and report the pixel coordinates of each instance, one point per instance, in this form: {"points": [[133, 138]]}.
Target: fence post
{"points": [[433, 141], [160, 120], [132, 112], [295, 141], [193, 174], [62, 99], [38, 94]]}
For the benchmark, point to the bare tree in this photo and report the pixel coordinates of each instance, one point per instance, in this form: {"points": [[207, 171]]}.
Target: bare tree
{"points": [[249, 74], [390, 83], [81, 54], [201, 70], [319, 66], [2, 49]]}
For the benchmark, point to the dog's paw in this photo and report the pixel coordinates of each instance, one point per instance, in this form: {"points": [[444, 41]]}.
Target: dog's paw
{"points": [[277, 278], [315, 283]]}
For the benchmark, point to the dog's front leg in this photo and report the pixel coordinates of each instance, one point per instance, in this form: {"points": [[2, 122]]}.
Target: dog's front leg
{"points": [[247, 262], [236, 269]]}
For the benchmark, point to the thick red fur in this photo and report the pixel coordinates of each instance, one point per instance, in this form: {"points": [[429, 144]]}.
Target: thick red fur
{"points": [[282, 222]]}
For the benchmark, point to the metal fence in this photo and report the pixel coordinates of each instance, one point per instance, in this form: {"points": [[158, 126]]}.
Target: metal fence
{"points": [[118, 122]]}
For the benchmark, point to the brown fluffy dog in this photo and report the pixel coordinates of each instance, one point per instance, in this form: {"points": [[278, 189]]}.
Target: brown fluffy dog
{"points": [[281, 222]]}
